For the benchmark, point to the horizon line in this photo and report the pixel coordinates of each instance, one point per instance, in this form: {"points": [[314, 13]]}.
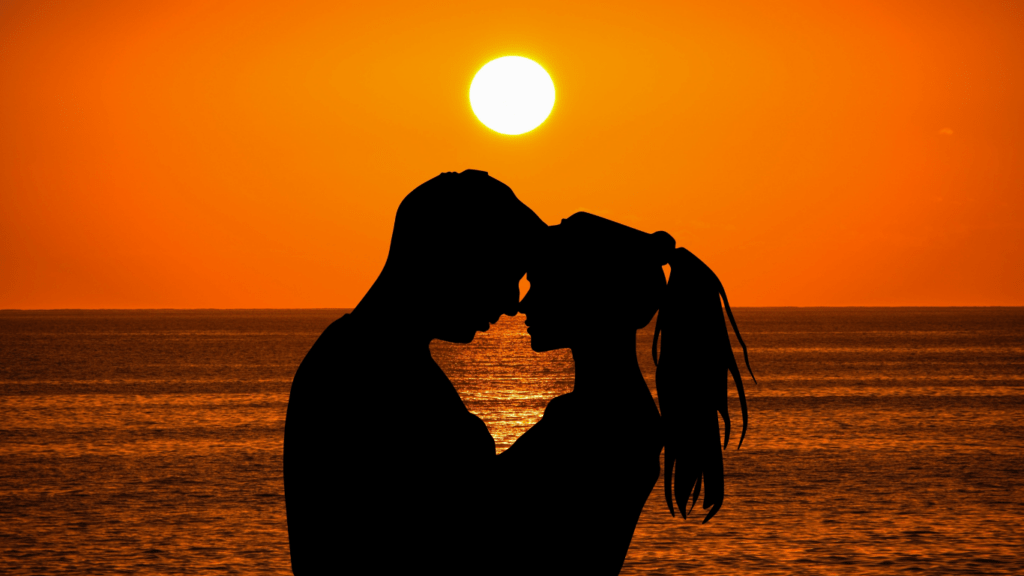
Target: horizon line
{"points": [[210, 309]]}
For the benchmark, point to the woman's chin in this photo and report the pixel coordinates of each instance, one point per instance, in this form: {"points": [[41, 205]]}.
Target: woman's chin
{"points": [[541, 344]]}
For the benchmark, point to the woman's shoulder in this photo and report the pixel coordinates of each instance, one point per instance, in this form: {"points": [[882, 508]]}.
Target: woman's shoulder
{"points": [[564, 405]]}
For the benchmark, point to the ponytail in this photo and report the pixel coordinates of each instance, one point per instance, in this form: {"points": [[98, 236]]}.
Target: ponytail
{"points": [[692, 381]]}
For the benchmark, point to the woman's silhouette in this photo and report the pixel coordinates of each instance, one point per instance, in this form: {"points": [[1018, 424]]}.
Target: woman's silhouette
{"points": [[575, 484]]}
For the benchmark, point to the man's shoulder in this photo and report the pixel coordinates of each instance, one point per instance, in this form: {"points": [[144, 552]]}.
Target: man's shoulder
{"points": [[340, 329], [340, 336], [333, 353]]}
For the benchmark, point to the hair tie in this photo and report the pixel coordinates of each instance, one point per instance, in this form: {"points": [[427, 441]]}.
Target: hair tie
{"points": [[664, 246]]}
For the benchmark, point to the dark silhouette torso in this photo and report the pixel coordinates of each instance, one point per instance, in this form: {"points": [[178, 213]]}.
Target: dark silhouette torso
{"points": [[382, 461], [576, 483], [387, 472]]}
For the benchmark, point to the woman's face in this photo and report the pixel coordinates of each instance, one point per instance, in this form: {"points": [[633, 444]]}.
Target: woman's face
{"points": [[557, 309], [571, 302]]}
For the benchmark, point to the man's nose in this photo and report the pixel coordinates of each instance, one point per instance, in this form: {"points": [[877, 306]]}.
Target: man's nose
{"points": [[512, 304], [512, 307]]}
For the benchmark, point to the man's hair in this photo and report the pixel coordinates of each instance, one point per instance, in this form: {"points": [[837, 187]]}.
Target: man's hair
{"points": [[458, 216]]}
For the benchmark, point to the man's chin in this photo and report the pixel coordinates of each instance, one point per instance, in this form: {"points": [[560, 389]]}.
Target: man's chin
{"points": [[459, 336]]}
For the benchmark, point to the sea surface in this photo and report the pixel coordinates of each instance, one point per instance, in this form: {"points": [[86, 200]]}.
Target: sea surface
{"points": [[881, 441]]}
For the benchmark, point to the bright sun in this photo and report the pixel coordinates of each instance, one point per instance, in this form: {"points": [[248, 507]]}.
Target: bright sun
{"points": [[512, 95]]}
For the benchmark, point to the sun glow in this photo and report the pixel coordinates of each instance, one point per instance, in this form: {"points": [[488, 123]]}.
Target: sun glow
{"points": [[512, 95]]}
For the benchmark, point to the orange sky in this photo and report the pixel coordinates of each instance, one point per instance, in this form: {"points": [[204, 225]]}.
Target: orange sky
{"points": [[252, 153]]}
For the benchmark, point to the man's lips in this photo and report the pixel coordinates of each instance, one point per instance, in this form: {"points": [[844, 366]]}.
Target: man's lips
{"points": [[486, 324]]}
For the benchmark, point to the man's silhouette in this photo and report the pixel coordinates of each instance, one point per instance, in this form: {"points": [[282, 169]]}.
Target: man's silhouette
{"points": [[382, 460]]}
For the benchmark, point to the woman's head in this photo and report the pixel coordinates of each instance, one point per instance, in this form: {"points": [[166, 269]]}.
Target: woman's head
{"points": [[457, 252], [589, 276]]}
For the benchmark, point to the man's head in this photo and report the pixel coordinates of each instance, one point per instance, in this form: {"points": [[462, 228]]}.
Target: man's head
{"points": [[458, 251]]}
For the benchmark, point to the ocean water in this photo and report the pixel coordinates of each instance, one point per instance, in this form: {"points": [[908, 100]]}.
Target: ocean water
{"points": [[881, 441]]}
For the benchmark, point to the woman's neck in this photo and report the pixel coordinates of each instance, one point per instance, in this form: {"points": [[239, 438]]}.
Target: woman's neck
{"points": [[607, 364]]}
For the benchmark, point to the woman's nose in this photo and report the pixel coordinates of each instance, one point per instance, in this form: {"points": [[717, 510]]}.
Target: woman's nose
{"points": [[525, 303]]}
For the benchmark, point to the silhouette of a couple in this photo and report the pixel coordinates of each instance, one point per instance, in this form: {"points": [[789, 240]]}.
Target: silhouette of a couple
{"points": [[387, 472]]}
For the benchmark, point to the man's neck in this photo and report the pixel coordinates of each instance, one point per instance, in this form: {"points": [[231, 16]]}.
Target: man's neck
{"points": [[387, 310]]}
